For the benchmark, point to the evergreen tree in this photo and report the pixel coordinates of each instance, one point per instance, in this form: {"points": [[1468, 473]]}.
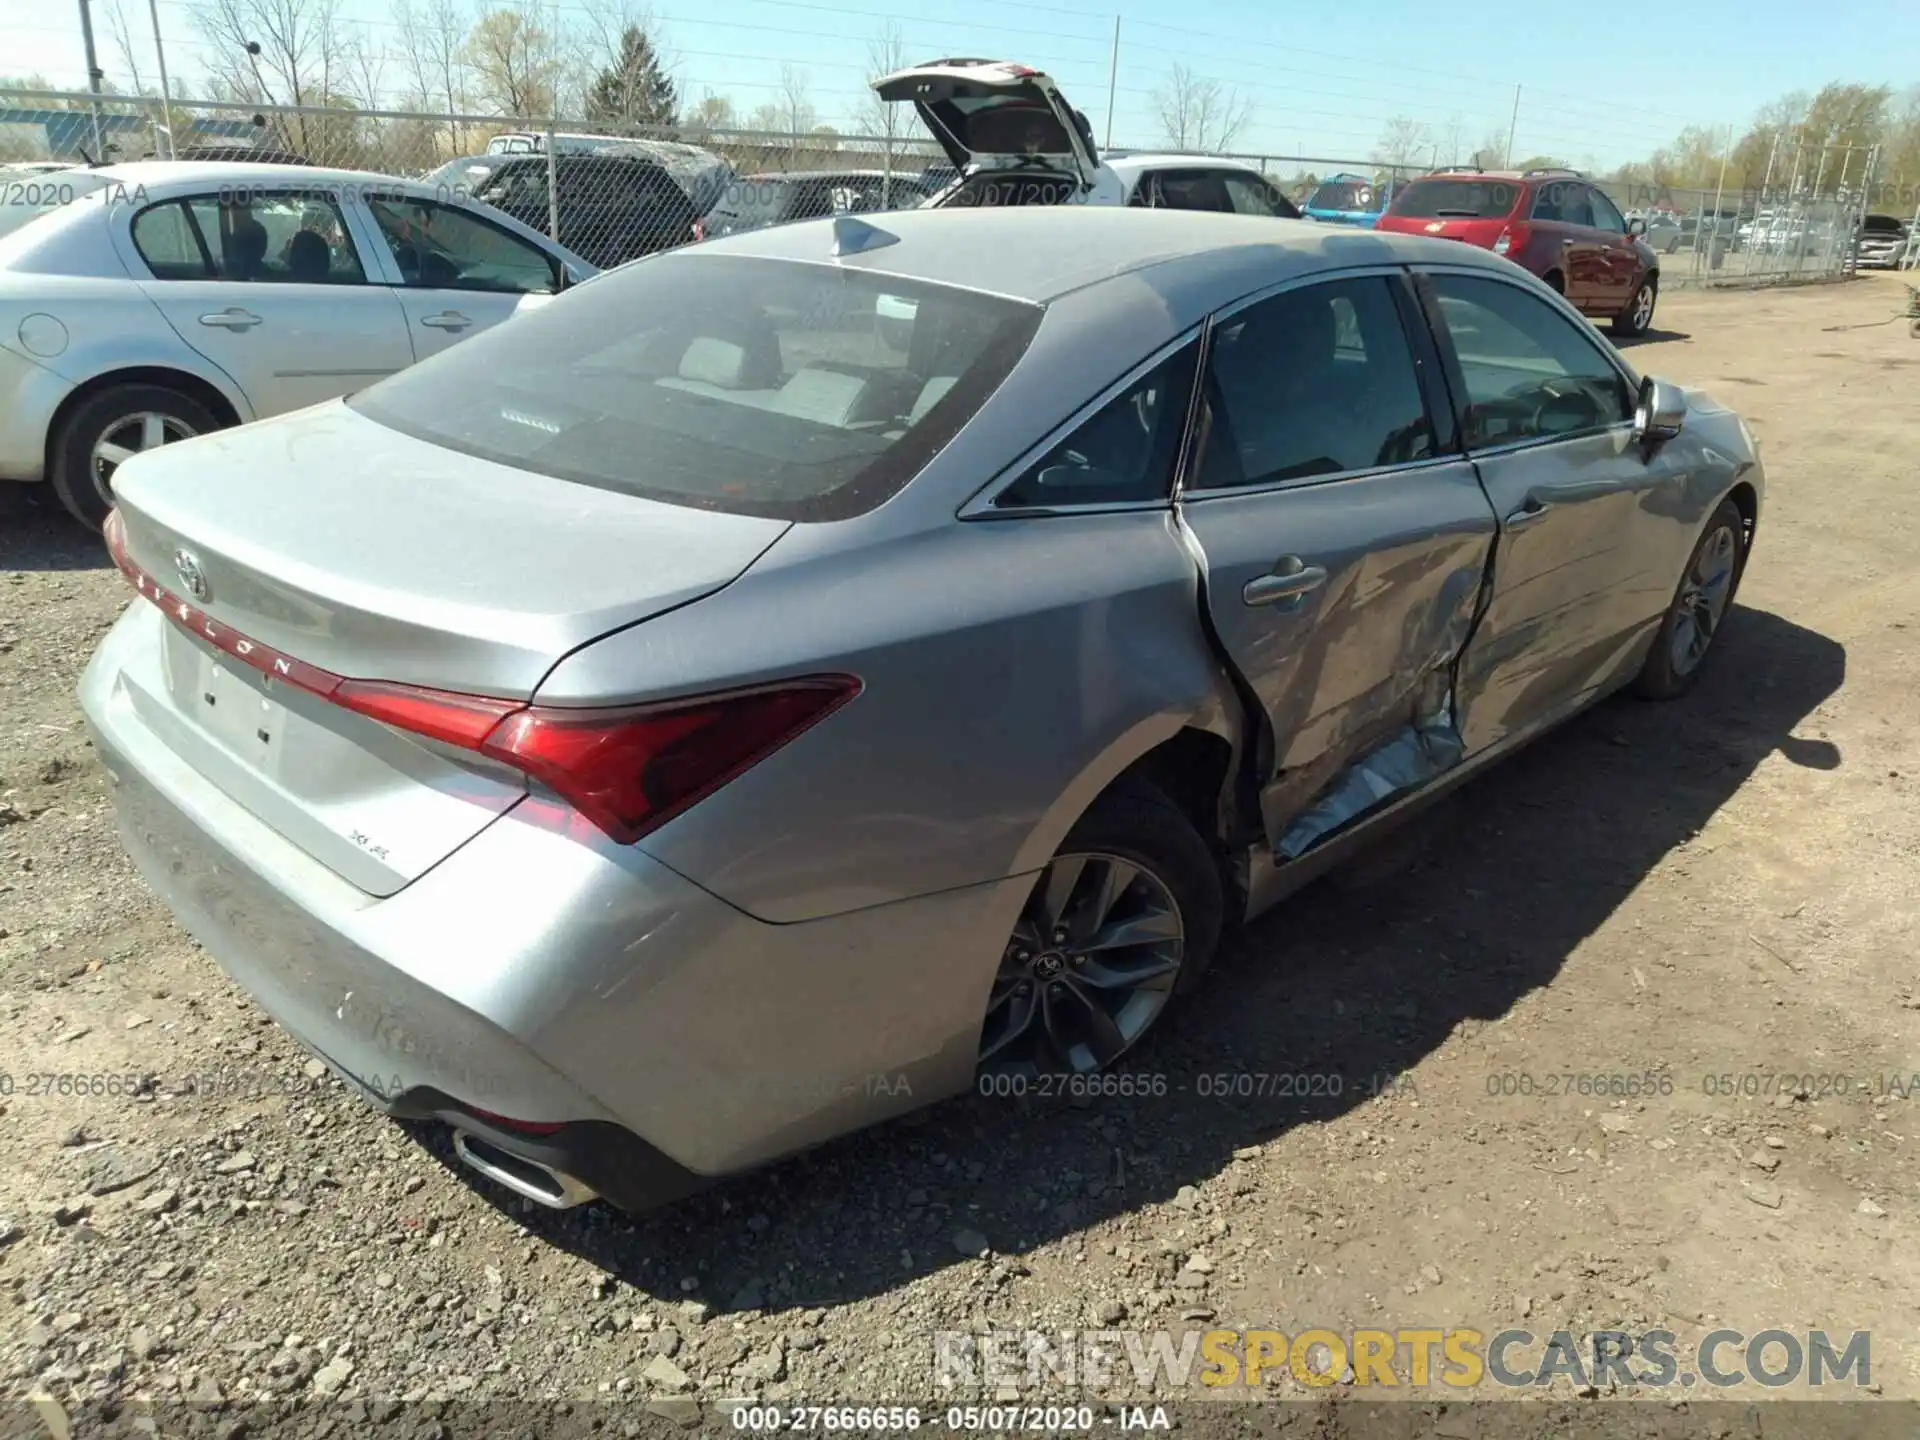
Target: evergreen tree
{"points": [[634, 88]]}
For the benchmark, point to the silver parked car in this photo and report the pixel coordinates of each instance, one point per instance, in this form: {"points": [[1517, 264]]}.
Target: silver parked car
{"points": [[155, 301], [736, 701]]}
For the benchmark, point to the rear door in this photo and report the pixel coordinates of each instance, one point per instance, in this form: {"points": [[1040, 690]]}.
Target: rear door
{"points": [[271, 287], [1621, 251], [458, 272], [1345, 542], [1564, 240], [1586, 555]]}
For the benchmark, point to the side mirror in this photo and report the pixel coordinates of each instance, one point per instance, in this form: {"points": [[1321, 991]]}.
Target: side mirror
{"points": [[1636, 226], [1661, 412]]}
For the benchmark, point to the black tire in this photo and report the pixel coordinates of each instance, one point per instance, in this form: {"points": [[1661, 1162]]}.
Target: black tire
{"points": [[1556, 282], [1661, 678], [1631, 323], [73, 475], [1142, 827]]}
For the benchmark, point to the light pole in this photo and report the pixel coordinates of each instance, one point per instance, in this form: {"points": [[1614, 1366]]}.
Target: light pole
{"points": [[93, 81], [166, 91]]}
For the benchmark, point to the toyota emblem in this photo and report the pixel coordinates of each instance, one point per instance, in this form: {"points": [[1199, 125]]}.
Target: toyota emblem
{"points": [[187, 565]]}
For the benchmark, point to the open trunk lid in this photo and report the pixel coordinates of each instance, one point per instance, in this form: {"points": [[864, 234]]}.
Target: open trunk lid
{"points": [[323, 544], [989, 115]]}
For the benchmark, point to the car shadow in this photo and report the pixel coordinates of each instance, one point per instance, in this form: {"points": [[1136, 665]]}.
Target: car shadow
{"points": [[36, 534], [1467, 910], [1653, 336]]}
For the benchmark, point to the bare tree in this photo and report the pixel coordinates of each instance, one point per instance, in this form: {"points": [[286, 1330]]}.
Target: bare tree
{"points": [[364, 71], [794, 107], [515, 64], [706, 116], [432, 46], [1491, 153], [1197, 113], [1403, 143], [886, 53], [274, 52], [121, 33]]}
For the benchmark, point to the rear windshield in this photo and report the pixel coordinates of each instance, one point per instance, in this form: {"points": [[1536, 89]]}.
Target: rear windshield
{"points": [[1456, 199], [726, 382], [1342, 195]]}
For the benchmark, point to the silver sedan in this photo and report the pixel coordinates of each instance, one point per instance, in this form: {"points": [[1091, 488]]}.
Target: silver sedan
{"points": [[767, 686]]}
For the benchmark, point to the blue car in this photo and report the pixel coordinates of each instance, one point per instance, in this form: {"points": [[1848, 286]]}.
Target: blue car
{"points": [[1348, 200]]}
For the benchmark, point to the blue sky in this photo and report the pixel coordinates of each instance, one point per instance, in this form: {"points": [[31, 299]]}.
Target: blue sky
{"points": [[1599, 84]]}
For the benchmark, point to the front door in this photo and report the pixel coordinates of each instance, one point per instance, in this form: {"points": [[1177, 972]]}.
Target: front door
{"points": [[1345, 545], [460, 273], [1582, 560], [272, 289]]}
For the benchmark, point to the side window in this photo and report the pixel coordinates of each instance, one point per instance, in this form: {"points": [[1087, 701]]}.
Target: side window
{"points": [[294, 239], [1125, 453], [1530, 372], [442, 247], [1575, 206], [1606, 215], [1314, 381], [1250, 195], [1547, 202], [164, 236]]}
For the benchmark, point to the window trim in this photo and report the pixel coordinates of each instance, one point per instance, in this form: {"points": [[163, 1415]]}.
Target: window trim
{"points": [[1446, 426], [980, 506], [1456, 378], [556, 268]]}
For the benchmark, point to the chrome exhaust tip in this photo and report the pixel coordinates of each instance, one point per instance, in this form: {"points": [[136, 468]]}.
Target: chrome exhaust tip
{"points": [[539, 1183]]}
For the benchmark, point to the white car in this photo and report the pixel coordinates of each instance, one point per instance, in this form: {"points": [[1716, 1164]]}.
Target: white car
{"points": [[1015, 141], [180, 297]]}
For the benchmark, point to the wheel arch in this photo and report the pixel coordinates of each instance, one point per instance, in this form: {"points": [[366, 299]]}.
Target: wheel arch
{"points": [[225, 407]]}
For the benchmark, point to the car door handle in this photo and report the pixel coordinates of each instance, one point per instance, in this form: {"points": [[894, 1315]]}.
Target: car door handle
{"points": [[1527, 514], [232, 318], [446, 320], [1288, 580]]}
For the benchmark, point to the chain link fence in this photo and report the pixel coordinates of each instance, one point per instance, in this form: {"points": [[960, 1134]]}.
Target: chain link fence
{"points": [[611, 191]]}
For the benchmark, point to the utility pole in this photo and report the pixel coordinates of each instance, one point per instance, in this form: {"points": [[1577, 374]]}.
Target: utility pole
{"points": [[93, 81], [1113, 76], [1512, 125], [166, 91]]}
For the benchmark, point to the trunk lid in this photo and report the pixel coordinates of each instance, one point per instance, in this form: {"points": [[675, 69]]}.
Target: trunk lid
{"points": [[1471, 207], [377, 556], [989, 115]]}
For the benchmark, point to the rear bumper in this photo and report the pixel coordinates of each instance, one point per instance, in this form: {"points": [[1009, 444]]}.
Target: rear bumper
{"points": [[561, 981]]}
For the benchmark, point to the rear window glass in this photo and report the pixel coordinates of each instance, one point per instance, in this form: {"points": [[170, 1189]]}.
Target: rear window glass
{"points": [[737, 383], [1342, 195], [1458, 199]]}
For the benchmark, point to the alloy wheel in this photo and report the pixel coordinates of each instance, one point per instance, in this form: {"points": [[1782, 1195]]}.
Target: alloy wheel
{"points": [[1702, 602], [1092, 963], [127, 437], [1643, 308]]}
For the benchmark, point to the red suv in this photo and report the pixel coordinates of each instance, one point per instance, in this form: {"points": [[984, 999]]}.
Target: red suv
{"points": [[1553, 222]]}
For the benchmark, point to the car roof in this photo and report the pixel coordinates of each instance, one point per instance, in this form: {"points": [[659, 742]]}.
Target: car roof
{"points": [[151, 174], [1132, 163], [905, 176], [1039, 253]]}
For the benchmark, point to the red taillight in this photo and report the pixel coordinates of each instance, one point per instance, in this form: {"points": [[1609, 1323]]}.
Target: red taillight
{"points": [[1513, 237], [522, 1127], [631, 770], [627, 770], [699, 229]]}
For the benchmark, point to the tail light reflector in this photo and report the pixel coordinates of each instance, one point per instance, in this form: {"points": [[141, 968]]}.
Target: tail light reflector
{"points": [[1513, 237], [628, 769], [699, 229]]}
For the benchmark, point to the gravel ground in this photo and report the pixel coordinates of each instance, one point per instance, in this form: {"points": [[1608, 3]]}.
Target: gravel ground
{"points": [[1723, 887]]}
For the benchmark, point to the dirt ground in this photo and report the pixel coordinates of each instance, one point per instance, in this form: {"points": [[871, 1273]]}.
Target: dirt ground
{"points": [[1704, 896]]}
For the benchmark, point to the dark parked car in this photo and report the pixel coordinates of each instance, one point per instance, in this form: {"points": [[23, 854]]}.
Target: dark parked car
{"points": [[754, 201], [1555, 223], [610, 207]]}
